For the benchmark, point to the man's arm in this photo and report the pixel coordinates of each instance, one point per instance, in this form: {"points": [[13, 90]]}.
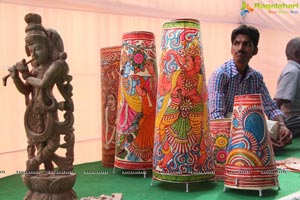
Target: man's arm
{"points": [[270, 107], [285, 92], [216, 98], [49, 76], [279, 102], [285, 136], [286, 88]]}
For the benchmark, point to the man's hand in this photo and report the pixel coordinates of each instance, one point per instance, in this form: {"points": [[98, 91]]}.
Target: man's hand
{"points": [[284, 138]]}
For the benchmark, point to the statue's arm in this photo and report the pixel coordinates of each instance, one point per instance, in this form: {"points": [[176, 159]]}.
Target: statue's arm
{"points": [[48, 79], [22, 88], [20, 85]]}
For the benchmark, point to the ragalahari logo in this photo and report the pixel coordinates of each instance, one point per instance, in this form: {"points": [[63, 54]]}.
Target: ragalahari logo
{"points": [[246, 8]]}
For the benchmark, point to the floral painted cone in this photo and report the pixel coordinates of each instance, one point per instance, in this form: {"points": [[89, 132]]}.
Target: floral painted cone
{"points": [[250, 162], [136, 102], [219, 132]]}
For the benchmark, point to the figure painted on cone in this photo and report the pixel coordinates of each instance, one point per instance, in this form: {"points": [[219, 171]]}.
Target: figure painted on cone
{"points": [[181, 116], [110, 77], [136, 102]]}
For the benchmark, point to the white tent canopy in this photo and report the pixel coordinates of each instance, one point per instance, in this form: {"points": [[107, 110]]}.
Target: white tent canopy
{"points": [[276, 14]]}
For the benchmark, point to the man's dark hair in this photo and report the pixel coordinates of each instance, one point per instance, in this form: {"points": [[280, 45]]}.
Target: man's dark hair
{"points": [[243, 29], [293, 49]]}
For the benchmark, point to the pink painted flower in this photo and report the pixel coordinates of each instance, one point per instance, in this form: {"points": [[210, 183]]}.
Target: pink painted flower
{"points": [[221, 156], [138, 58]]}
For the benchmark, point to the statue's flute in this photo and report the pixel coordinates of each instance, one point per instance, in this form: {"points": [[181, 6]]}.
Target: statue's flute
{"points": [[4, 79]]}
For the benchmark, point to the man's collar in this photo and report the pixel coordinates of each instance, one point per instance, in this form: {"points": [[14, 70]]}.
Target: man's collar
{"points": [[235, 72], [294, 63]]}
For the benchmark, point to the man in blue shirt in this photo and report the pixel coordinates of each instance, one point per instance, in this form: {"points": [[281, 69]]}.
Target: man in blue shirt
{"points": [[236, 77]]}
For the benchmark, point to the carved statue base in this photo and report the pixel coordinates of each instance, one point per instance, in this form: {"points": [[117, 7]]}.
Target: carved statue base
{"points": [[50, 187]]}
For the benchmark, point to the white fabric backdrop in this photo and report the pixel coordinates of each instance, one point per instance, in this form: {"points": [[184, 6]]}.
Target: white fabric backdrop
{"points": [[86, 26], [208, 11]]}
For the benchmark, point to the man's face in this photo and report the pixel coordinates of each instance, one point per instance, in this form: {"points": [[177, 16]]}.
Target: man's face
{"points": [[242, 50], [39, 50]]}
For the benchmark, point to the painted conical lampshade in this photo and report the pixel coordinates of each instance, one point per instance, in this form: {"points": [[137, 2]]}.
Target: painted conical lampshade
{"points": [[250, 162], [110, 75], [220, 132], [136, 101], [182, 150]]}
